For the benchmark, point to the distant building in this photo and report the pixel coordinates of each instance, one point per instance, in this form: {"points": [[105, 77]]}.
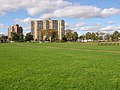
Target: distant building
{"points": [[15, 28], [38, 25]]}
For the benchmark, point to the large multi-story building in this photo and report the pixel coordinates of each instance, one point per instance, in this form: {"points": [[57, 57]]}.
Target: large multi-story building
{"points": [[38, 25], [15, 28]]}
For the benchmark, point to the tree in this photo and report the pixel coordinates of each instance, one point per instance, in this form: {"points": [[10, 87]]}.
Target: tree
{"points": [[43, 34], [102, 35], [93, 36], [21, 38], [115, 36], [64, 39], [82, 38], [75, 36], [15, 36], [54, 36], [69, 35], [107, 37], [100, 38], [88, 35], [3, 38], [97, 35], [28, 37]]}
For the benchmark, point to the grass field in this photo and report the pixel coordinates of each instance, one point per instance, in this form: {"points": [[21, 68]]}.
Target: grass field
{"points": [[59, 66]]}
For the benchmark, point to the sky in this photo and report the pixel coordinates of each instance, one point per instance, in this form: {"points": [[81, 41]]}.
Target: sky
{"points": [[79, 15]]}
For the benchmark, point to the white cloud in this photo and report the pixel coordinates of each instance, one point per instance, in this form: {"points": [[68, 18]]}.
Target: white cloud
{"points": [[27, 28], [75, 26], [33, 7], [67, 25], [110, 22], [81, 24], [2, 26], [75, 11], [102, 28], [46, 6], [110, 28], [90, 28], [23, 21], [98, 25], [107, 28], [11, 5], [109, 12], [82, 12], [56, 8], [1, 33]]}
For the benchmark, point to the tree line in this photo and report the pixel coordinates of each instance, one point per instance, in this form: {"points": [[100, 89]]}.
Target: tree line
{"points": [[3, 39], [70, 35], [17, 37], [52, 36], [47, 35], [20, 37], [100, 36]]}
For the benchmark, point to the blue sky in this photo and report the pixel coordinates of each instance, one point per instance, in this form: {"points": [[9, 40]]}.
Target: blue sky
{"points": [[79, 15]]}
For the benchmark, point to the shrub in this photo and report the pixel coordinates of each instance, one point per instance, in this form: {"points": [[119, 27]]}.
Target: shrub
{"points": [[110, 43], [114, 43], [105, 43], [102, 43], [117, 43]]}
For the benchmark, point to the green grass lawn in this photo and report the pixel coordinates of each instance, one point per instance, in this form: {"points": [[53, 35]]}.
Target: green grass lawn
{"points": [[59, 66]]}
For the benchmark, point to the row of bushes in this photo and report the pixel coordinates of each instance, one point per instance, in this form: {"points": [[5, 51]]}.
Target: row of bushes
{"points": [[109, 43]]}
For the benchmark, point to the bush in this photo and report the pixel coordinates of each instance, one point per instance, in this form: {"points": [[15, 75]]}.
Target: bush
{"points": [[118, 44], [102, 43], [105, 43], [114, 44], [110, 43]]}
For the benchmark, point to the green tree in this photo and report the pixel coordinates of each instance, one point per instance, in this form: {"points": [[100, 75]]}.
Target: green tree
{"points": [[115, 36], [15, 36], [54, 36], [75, 36], [102, 35], [64, 39], [69, 35], [88, 35], [82, 37], [43, 34], [93, 36], [97, 36], [3, 38], [28, 37], [107, 37], [21, 38]]}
